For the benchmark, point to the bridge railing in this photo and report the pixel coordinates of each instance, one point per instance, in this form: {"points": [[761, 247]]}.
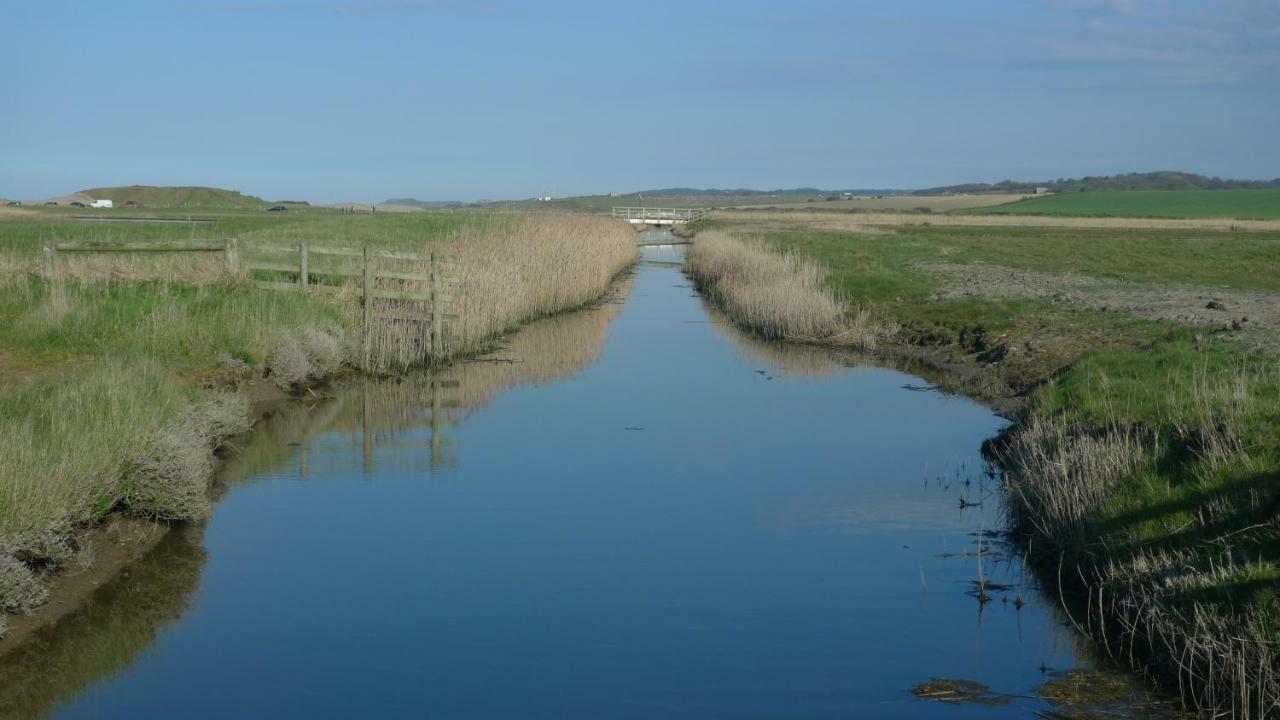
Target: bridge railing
{"points": [[659, 214]]}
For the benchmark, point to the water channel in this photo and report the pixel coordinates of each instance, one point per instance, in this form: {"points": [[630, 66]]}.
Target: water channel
{"points": [[628, 511]]}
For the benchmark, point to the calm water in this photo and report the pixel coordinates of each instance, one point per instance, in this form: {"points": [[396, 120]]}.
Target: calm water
{"points": [[631, 511]]}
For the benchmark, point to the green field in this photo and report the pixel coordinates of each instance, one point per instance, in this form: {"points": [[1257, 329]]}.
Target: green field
{"points": [[1237, 204]]}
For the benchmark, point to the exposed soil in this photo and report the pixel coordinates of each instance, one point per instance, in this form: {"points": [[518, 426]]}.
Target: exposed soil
{"points": [[17, 369], [1253, 314], [104, 551]]}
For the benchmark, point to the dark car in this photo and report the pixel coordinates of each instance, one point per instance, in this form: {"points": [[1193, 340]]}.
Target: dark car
{"points": [[50, 202], [277, 208], [78, 204], [13, 203]]}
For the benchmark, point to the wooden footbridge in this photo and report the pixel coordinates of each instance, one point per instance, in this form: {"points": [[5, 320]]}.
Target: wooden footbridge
{"points": [[659, 216]]}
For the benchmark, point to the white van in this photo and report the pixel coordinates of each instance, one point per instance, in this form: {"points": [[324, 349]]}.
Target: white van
{"points": [[101, 204]]}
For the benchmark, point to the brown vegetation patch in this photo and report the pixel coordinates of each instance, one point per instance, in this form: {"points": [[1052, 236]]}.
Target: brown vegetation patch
{"points": [[958, 691]]}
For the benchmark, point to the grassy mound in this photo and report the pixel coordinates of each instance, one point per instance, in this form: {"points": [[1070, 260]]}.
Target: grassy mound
{"points": [[193, 197]]}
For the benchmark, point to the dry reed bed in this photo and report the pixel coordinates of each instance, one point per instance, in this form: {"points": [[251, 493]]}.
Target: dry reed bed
{"points": [[128, 435], [509, 273], [1151, 605], [777, 295]]}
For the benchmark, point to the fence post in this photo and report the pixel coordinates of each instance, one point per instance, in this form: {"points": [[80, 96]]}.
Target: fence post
{"points": [[302, 264], [368, 306], [57, 295], [437, 309], [233, 255]]}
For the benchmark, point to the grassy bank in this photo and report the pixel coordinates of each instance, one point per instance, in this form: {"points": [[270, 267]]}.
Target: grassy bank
{"points": [[1241, 204], [115, 397], [1144, 469]]}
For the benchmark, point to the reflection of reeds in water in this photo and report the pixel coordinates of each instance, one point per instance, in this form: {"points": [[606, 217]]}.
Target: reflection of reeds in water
{"points": [[107, 634], [780, 357], [379, 413]]}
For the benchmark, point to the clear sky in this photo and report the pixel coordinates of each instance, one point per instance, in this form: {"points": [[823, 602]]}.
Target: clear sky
{"points": [[468, 99]]}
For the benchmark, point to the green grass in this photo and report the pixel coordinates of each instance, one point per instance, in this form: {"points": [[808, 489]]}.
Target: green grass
{"points": [[1236, 204]]}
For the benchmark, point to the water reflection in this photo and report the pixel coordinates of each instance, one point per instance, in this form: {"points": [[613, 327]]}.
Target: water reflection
{"points": [[119, 624]]}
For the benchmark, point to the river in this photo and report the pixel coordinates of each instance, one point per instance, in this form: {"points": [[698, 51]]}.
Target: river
{"points": [[630, 511]]}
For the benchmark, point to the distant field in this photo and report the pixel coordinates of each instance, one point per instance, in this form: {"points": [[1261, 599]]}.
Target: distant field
{"points": [[1241, 204], [934, 203]]}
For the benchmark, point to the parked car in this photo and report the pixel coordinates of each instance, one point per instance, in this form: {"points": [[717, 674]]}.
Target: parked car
{"points": [[13, 203], [50, 202], [76, 203], [133, 204], [277, 208]]}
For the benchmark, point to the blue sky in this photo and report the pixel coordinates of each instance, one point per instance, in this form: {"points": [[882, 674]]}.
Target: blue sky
{"points": [[463, 99]]}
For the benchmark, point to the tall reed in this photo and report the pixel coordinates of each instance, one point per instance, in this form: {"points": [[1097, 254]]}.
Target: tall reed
{"points": [[776, 295]]}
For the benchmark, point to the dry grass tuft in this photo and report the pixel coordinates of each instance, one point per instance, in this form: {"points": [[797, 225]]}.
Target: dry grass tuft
{"points": [[776, 295], [1061, 476], [310, 355], [21, 590], [171, 482]]}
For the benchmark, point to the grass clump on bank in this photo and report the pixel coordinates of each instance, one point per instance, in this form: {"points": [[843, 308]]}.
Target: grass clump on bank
{"points": [[776, 295]]}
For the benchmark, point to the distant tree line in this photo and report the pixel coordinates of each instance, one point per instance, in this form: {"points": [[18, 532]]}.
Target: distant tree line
{"points": [[1163, 180]]}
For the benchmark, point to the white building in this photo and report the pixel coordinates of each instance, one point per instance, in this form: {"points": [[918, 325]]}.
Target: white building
{"points": [[101, 204]]}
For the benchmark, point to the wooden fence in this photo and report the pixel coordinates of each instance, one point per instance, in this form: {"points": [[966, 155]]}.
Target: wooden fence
{"points": [[229, 247], [301, 275]]}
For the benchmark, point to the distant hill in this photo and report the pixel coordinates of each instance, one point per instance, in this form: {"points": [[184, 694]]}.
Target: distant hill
{"points": [[744, 192], [1162, 180], [151, 196], [426, 204]]}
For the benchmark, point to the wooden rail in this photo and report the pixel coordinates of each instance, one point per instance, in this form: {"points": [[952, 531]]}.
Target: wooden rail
{"points": [[229, 247], [369, 274], [299, 274], [659, 216]]}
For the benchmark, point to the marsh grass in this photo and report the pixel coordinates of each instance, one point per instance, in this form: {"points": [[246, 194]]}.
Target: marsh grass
{"points": [[1166, 513], [775, 294]]}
